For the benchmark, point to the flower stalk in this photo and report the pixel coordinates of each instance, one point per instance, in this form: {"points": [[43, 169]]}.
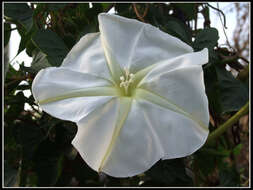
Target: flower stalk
{"points": [[219, 131]]}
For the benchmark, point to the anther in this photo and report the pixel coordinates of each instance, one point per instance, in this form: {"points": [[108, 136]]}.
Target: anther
{"points": [[125, 82], [122, 78]]}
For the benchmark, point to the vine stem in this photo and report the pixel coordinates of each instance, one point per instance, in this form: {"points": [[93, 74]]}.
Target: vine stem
{"points": [[138, 14], [220, 130], [244, 74]]}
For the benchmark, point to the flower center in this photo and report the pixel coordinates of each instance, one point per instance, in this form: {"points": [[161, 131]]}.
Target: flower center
{"points": [[126, 81]]}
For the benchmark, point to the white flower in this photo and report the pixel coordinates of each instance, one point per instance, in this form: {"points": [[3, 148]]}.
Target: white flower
{"points": [[136, 93]]}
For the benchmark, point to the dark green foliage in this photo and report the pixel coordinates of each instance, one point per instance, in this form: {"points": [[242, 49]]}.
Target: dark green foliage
{"points": [[229, 177], [187, 11], [52, 45], [169, 173], [11, 175], [233, 93], [20, 13], [225, 92], [178, 29], [37, 146], [206, 38], [55, 6], [7, 33], [39, 61], [48, 163]]}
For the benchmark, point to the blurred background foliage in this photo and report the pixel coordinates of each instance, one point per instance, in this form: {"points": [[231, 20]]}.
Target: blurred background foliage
{"points": [[37, 147]]}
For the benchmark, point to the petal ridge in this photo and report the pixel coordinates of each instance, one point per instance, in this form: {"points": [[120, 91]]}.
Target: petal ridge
{"points": [[88, 133], [137, 38], [139, 42], [121, 118], [165, 103], [154, 133], [95, 91], [86, 51]]}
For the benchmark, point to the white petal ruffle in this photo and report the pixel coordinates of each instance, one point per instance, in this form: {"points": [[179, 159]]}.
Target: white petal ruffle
{"points": [[181, 81], [149, 132], [136, 45], [70, 95], [87, 56]]}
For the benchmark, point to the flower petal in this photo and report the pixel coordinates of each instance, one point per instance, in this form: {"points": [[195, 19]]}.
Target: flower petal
{"points": [[189, 59], [152, 132], [70, 95], [182, 87], [196, 58], [121, 144], [136, 147], [136, 45], [100, 129], [87, 56]]}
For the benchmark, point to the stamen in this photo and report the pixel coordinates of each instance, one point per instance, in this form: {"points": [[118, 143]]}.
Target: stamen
{"points": [[125, 82], [122, 78]]}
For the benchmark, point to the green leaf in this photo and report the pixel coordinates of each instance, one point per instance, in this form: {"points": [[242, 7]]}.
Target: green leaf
{"points": [[30, 47], [188, 9], [233, 93], [237, 149], [7, 33], [52, 45], [177, 28], [39, 62], [169, 172], [19, 12], [212, 90], [206, 38], [25, 37], [225, 93]]}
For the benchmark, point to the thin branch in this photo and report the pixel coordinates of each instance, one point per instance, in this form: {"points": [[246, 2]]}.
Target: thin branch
{"points": [[14, 80], [233, 59], [141, 18], [244, 59], [32, 6], [11, 29], [228, 59], [217, 9], [224, 27]]}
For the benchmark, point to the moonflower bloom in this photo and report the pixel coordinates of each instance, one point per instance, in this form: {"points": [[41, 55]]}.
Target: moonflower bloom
{"points": [[136, 93]]}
